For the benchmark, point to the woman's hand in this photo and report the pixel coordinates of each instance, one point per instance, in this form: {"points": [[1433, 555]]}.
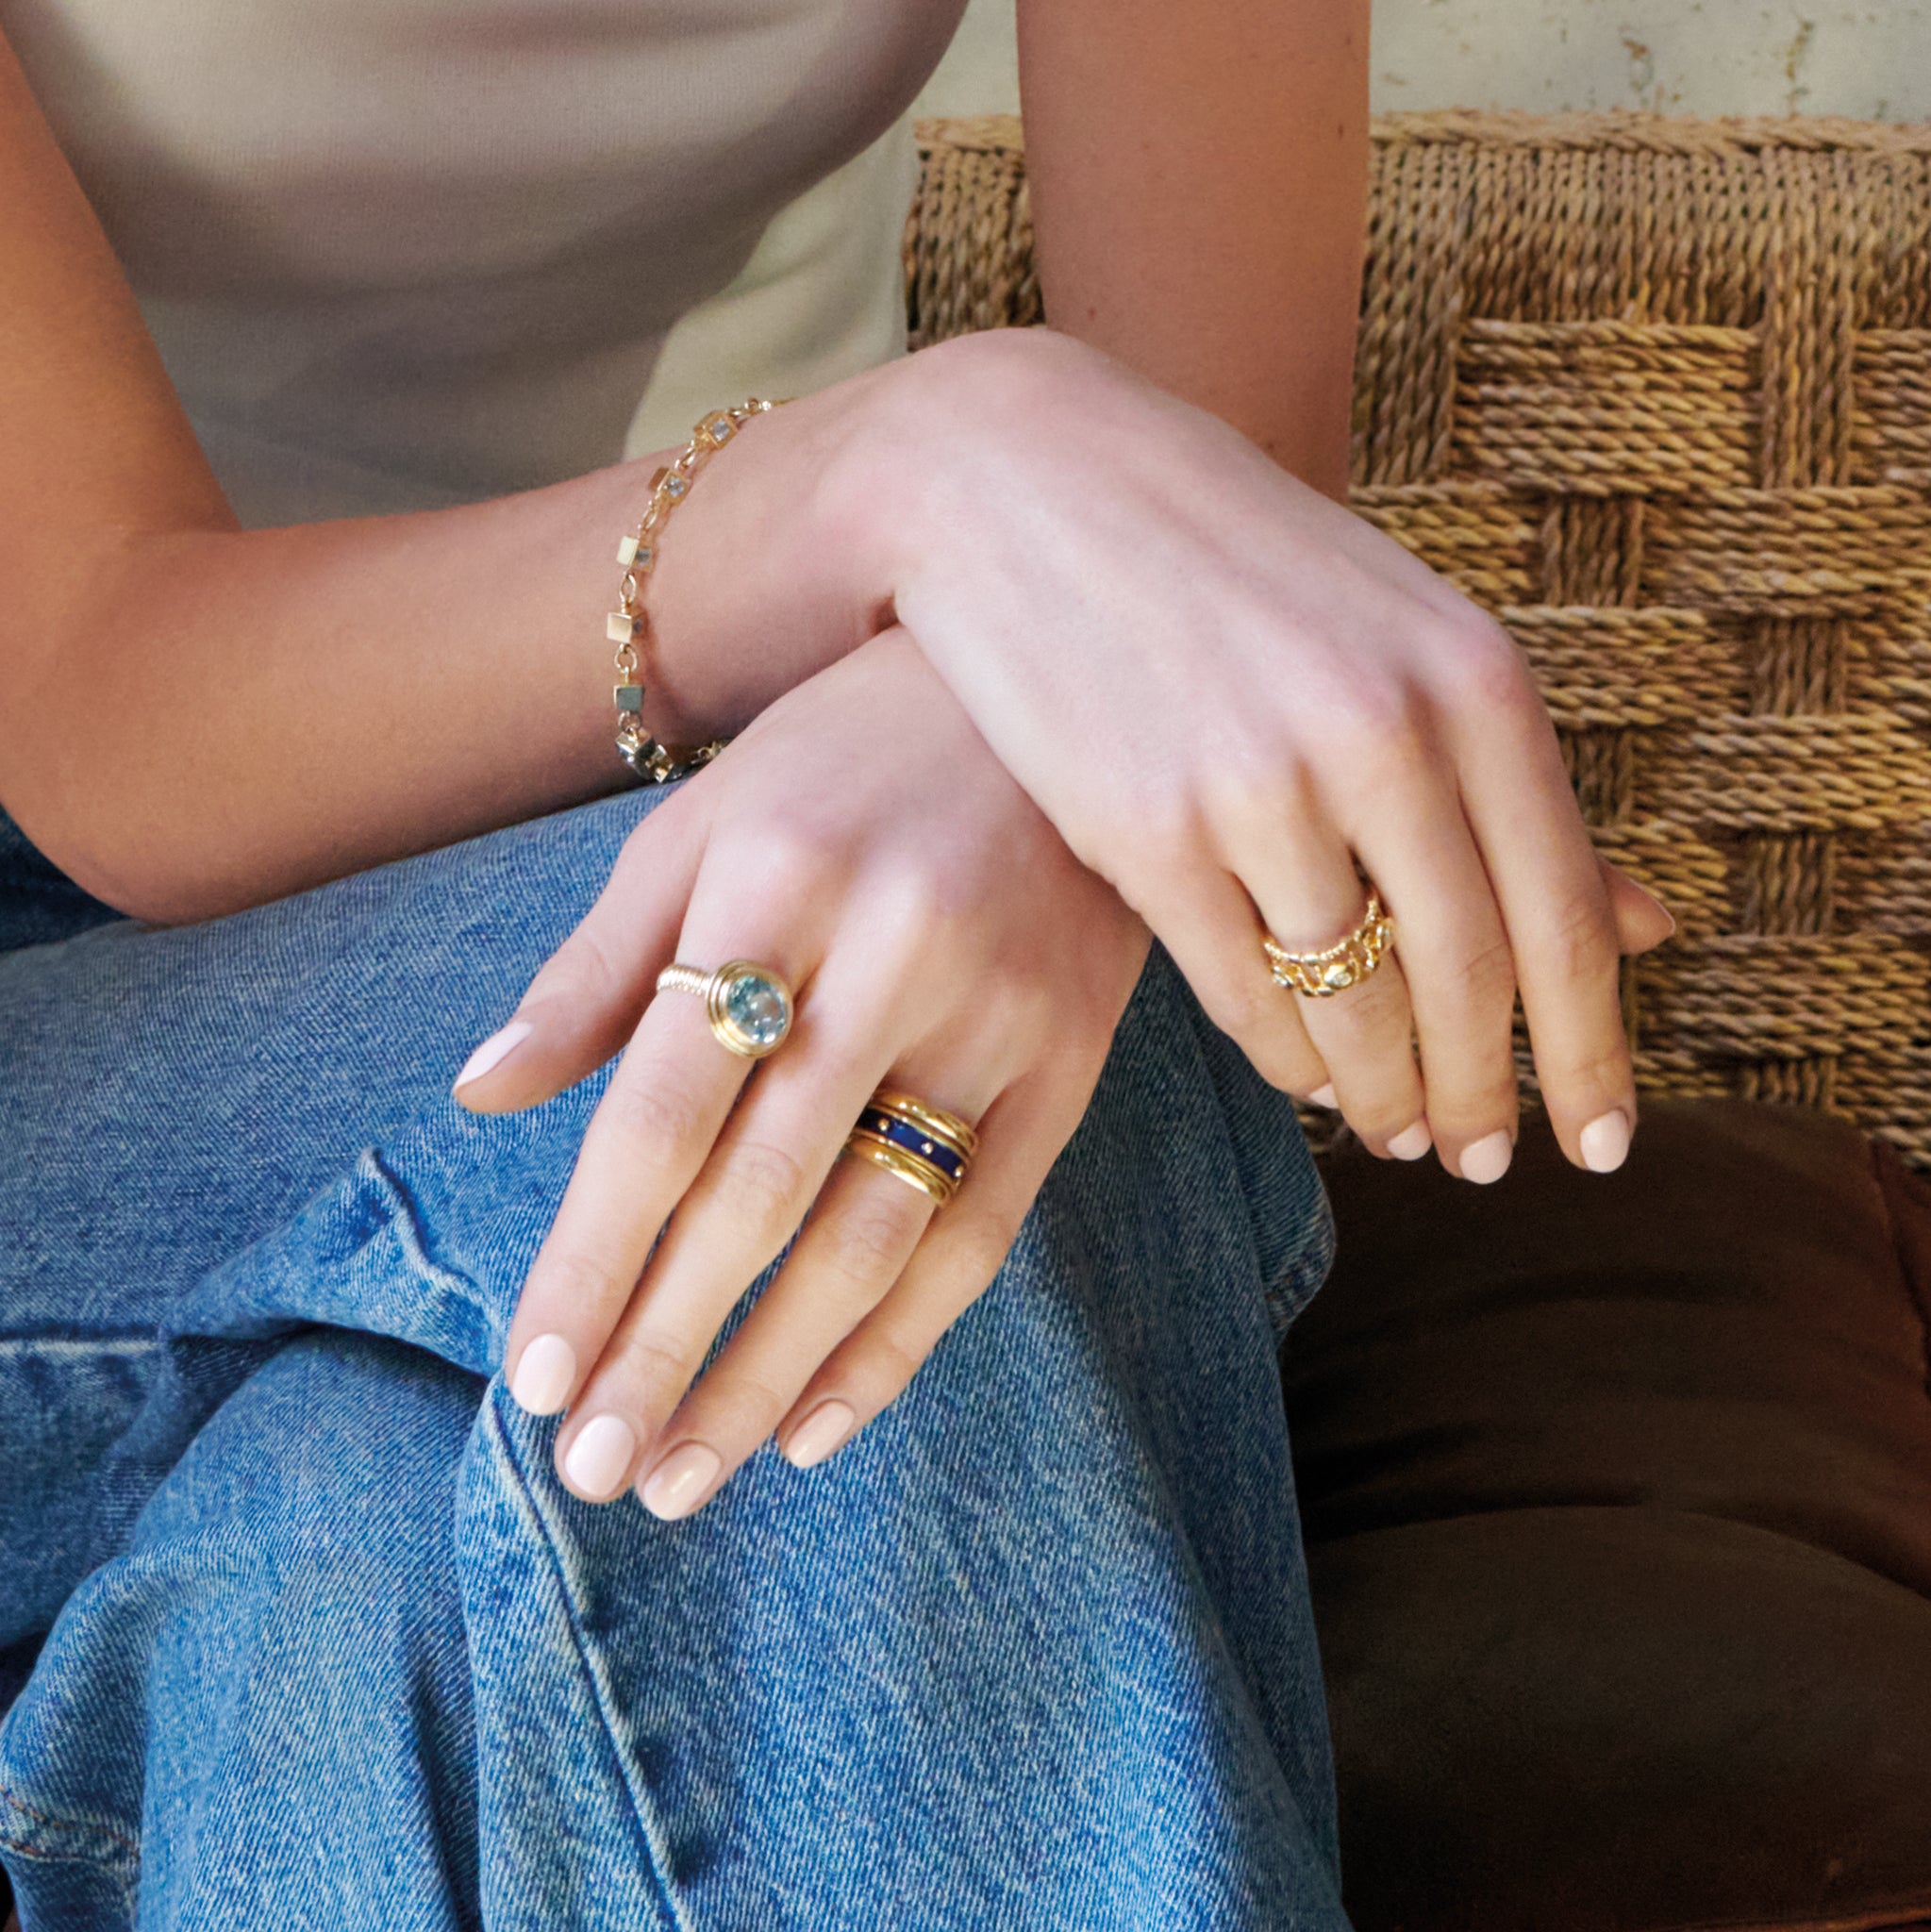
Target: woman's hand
{"points": [[1225, 690], [861, 839]]}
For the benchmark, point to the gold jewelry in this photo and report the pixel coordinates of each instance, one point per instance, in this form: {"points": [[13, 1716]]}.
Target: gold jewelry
{"points": [[923, 1144], [628, 626], [749, 1006], [1334, 969]]}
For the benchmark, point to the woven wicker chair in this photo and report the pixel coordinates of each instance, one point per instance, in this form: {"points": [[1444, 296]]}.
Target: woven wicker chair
{"points": [[1659, 393]]}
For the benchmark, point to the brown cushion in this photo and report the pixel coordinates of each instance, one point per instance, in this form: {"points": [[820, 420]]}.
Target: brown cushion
{"points": [[1618, 1500]]}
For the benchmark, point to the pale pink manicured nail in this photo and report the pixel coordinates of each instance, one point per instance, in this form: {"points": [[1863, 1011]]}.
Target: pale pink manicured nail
{"points": [[1606, 1143], [1325, 1096], [821, 1434], [673, 1487], [1412, 1142], [601, 1457], [494, 1052], [1487, 1159], [545, 1372]]}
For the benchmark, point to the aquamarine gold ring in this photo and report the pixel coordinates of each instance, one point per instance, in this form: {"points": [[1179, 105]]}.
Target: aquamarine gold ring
{"points": [[749, 1005]]}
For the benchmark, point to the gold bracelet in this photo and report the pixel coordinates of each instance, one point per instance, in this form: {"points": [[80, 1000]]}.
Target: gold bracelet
{"points": [[628, 626]]}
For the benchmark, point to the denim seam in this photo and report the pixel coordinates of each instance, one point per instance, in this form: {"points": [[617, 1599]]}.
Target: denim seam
{"points": [[119, 1861], [121, 1843], [648, 1826]]}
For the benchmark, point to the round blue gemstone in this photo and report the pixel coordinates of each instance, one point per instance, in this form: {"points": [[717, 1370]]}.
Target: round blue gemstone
{"points": [[758, 1009]]}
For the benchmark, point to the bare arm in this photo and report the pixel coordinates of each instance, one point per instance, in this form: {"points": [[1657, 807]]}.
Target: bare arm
{"points": [[194, 718], [1198, 178]]}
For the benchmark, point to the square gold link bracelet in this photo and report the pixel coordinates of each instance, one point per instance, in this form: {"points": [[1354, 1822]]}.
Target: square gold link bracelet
{"points": [[628, 626]]}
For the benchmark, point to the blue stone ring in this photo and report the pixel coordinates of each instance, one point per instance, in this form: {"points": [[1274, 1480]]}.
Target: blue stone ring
{"points": [[749, 1006]]}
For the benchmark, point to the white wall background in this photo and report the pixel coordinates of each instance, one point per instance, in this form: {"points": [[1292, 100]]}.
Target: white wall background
{"points": [[1701, 57]]}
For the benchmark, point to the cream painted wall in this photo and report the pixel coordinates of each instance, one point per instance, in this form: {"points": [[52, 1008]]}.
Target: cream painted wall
{"points": [[1710, 57]]}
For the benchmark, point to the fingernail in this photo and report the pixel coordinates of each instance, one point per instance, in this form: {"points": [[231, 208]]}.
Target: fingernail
{"points": [[545, 1372], [672, 1488], [601, 1457], [1326, 1097], [1487, 1159], [492, 1053], [1412, 1142], [1659, 906], [821, 1434], [1606, 1143]]}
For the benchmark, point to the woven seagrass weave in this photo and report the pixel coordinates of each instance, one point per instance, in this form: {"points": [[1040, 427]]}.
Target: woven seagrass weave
{"points": [[1658, 392]]}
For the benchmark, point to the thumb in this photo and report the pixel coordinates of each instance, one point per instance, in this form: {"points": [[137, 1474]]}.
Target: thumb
{"points": [[1642, 920], [587, 998]]}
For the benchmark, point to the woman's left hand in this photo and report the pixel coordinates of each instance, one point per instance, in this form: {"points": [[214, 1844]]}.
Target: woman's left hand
{"points": [[861, 839]]}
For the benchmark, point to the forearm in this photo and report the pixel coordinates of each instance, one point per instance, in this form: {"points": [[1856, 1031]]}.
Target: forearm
{"points": [[1198, 183], [228, 716]]}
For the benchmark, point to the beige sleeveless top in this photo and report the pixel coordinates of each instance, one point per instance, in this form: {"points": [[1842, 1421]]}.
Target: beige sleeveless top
{"points": [[404, 253]]}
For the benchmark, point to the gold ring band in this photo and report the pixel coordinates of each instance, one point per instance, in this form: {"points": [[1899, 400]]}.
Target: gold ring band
{"points": [[1334, 969], [749, 1006], [924, 1145]]}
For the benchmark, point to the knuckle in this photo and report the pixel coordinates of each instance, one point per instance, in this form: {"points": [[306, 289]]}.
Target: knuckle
{"points": [[1382, 735], [1489, 674], [580, 971], [577, 1278], [977, 1247], [1166, 824], [1599, 1069], [1376, 1012], [654, 1113], [892, 1356], [928, 898], [865, 1246], [744, 1406], [1249, 1008], [765, 1185], [788, 862], [1473, 1104], [1251, 784], [1020, 1007], [1579, 949], [652, 1364], [1483, 978]]}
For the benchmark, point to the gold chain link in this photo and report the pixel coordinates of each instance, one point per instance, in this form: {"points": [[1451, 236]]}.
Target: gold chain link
{"points": [[628, 626]]}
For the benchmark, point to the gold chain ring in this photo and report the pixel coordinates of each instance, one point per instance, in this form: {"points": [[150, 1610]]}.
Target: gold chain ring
{"points": [[1334, 969]]}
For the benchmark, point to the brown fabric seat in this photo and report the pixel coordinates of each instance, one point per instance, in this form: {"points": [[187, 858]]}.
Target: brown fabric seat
{"points": [[1617, 1498]]}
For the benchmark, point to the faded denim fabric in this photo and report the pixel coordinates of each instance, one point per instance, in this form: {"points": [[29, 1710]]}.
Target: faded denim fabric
{"points": [[298, 1629]]}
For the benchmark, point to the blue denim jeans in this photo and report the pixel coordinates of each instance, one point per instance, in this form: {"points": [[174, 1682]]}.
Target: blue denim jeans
{"points": [[298, 1629]]}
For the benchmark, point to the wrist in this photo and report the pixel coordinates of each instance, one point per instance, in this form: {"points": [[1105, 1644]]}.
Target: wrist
{"points": [[762, 576], [942, 440]]}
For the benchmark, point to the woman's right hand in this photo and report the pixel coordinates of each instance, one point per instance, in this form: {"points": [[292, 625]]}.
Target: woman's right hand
{"points": [[1224, 691]]}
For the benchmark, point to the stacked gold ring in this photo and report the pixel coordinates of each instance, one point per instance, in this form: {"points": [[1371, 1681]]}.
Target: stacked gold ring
{"points": [[924, 1145], [1334, 969]]}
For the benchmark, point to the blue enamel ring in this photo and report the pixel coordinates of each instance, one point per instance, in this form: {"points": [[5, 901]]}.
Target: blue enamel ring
{"points": [[924, 1145]]}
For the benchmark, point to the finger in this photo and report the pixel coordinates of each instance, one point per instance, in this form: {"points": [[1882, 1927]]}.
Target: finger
{"points": [[649, 1136], [1304, 883], [1461, 970], [1642, 920], [587, 998], [1207, 923], [1019, 1138], [861, 1233], [1556, 907], [734, 1218]]}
